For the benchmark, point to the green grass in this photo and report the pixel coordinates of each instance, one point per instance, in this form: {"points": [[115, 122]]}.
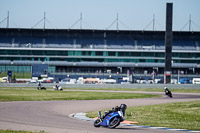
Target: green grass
{"points": [[183, 115], [148, 89], [117, 89], [173, 90], [12, 131], [42, 95]]}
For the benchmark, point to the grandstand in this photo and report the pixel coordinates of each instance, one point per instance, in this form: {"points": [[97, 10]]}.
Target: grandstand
{"points": [[96, 53]]}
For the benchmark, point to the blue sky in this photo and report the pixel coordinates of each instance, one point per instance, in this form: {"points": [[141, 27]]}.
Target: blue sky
{"points": [[99, 14]]}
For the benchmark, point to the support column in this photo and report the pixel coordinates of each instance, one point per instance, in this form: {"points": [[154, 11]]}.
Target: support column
{"points": [[168, 43]]}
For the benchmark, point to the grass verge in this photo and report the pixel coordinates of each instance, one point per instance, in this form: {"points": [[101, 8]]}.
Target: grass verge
{"points": [[116, 89], [147, 89], [182, 115], [41, 95], [12, 131]]}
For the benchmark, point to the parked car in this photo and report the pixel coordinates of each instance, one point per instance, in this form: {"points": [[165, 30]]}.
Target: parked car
{"points": [[33, 81], [184, 81], [174, 81], [161, 81], [196, 81], [4, 80], [68, 81]]}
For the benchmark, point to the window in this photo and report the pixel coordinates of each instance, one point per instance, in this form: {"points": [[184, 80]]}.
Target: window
{"points": [[37, 52], [71, 53], [2, 52], [111, 53], [78, 53], [99, 53], [24, 52], [13, 52], [49, 52]]}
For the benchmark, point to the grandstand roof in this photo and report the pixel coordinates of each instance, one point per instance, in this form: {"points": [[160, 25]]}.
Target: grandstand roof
{"points": [[86, 32]]}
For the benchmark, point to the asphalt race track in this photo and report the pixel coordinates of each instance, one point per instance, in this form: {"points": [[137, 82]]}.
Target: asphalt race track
{"points": [[53, 116]]}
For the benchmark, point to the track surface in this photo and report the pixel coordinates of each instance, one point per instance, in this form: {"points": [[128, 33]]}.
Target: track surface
{"points": [[53, 116]]}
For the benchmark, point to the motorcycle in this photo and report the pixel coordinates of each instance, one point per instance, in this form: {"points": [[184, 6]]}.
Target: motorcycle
{"points": [[111, 119], [41, 88], [58, 88], [168, 92]]}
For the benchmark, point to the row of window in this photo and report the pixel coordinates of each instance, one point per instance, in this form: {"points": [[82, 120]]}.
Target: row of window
{"points": [[23, 69], [98, 60], [96, 53]]}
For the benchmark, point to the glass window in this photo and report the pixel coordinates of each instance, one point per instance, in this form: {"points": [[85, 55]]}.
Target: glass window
{"points": [[127, 54], [86, 53], [120, 53], [148, 54], [37, 52], [24, 52], [78, 53], [51, 69], [2, 68], [93, 53], [111, 53], [150, 60], [105, 53], [158, 54], [49, 52], [136, 54], [15, 68], [175, 54], [99, 53], [141, 60], [13, 52], [63, 53], [2, 52], [71, 53]]}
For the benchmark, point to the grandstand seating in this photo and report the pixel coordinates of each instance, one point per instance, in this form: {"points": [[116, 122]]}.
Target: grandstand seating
{"points": [[97, 42]]}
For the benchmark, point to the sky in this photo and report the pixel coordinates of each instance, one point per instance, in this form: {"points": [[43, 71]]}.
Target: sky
{"points": [[100, 14]]}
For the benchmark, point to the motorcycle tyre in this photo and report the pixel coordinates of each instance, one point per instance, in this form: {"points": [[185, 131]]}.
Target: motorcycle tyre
{"points": [[97, 123], [114, 125], [170, 95], [43, 88]]}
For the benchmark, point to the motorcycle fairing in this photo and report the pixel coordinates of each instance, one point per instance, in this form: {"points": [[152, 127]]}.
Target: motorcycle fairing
{"points": [[107, 119]]}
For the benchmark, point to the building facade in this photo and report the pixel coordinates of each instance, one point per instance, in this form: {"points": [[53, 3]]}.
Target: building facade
{"points": [[97, 52]]}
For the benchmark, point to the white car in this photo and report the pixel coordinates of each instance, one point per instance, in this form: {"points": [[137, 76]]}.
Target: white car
{"points": [[4, 80], [33, 81], [196, 81]]}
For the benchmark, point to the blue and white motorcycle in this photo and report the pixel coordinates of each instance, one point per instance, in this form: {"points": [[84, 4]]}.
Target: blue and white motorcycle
{"points": [[111, 118]]}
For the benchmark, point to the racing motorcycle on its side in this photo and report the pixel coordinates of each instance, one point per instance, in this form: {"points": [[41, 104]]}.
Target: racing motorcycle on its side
{"points": [[168, 92], [57, 88], [112, 118]]}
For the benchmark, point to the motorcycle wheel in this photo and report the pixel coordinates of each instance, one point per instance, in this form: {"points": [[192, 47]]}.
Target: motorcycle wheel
{"points": [[97, 123], [43, 88], [114, 122], [170, 95]]}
